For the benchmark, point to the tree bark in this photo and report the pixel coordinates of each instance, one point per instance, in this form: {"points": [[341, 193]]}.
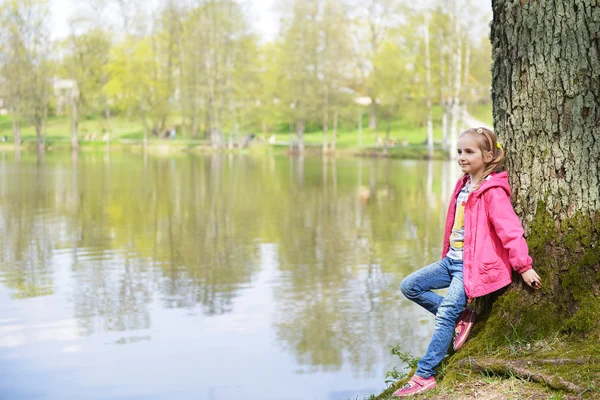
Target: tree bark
{"points": [[546, 101]]}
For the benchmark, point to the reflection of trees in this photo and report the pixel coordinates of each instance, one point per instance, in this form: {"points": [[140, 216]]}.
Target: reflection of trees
{"points": [[181, 215], [185, 231], [210, 226], [175, 229], [339, 299], [27, 241]]}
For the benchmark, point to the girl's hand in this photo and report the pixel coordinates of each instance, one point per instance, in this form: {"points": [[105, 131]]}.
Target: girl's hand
{"points": [[532, 279]]}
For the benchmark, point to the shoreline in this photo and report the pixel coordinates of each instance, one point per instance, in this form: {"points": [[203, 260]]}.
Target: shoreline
{"points": [[163, 147]]}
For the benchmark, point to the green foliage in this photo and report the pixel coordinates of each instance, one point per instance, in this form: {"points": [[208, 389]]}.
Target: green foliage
{"points": [[25, 68], [85, 60], [199, 67], [407, 358]]}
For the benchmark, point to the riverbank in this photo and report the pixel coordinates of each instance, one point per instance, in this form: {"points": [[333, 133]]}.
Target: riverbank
{"points": [[491, 388], [560, 368], [171, 147], [407, 136]]}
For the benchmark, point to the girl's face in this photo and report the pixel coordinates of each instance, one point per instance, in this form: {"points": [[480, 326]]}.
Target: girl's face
{"points": [[470, 158]]}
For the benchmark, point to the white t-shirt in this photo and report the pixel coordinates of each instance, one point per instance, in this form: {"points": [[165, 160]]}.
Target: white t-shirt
{"points": [[457, 238]]}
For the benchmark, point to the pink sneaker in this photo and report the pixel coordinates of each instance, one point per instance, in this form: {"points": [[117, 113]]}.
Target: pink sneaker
{"points": [[416, 385], [463, 327]]}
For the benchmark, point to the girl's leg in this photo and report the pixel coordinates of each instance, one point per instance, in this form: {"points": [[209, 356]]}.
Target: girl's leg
{"points": [[418, 285], [449, 310]]}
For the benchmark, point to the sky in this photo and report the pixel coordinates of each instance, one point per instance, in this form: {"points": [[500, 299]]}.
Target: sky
{"points": [[261, 10], [263, 14]]}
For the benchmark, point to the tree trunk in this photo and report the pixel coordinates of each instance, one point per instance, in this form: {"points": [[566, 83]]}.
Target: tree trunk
{"points": [[16, 127], [74, 124], [108, 124], [546, 99], [387, 134], [465, 88], [335, 129], [446, 118], [444, 95], [428, 94], [194, 127], [325, 121], [37, 125], [457, 68], [300, 135], [41, 146], [373, 114], [291, 144]]}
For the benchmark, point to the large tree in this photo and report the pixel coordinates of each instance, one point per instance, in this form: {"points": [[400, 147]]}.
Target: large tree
{"points": [[546, 98]]}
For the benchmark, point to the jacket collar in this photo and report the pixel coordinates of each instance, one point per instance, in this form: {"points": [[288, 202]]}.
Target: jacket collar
{"points": [[495, 179]]}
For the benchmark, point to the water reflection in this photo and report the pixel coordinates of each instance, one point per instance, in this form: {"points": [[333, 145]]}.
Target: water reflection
{"points": [[307, 254], [343, 262]]}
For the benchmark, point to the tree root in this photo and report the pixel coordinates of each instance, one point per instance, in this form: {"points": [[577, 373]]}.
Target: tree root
{"points": [[522, 369], [564, 361]]}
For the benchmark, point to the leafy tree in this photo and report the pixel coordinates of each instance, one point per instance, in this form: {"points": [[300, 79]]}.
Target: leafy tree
{"points": [[24, 47]]}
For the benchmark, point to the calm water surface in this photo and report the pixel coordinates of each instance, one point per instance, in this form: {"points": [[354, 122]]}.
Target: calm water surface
{"points": [[217, 277]]}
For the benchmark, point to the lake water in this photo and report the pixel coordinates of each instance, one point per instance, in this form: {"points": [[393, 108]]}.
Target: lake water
{"points": [[211, 277]]}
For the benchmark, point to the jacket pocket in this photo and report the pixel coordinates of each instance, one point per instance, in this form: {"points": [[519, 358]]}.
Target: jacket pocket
{"points": [[491, 272]]}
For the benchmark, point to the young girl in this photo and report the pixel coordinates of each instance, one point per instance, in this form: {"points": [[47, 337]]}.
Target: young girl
{"points": [[483, 239]]}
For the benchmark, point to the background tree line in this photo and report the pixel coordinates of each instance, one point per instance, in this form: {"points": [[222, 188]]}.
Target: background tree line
{"points": [[199, 66]]}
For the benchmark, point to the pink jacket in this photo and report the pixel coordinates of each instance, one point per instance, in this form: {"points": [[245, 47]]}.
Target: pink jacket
{"points": [[493, 236]]}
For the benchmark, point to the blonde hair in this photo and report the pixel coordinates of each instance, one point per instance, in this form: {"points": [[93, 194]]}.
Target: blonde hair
{"points": [[487, 142]]}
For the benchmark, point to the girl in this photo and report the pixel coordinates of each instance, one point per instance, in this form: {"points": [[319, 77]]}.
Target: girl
{"points": [[483, 239]]}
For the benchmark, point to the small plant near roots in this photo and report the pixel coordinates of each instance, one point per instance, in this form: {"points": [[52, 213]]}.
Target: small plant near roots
{"points": [[515, 343], [408, 359]]}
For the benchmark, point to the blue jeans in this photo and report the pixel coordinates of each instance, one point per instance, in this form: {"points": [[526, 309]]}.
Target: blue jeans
{"points": [[446, 273]]}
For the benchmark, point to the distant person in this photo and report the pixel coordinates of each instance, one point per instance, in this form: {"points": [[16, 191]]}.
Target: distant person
{"points": [[483, 238], [248, 139]]}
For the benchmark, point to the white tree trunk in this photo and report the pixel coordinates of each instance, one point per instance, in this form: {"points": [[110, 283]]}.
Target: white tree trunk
{"points": [[74, 123], [456, 95], [444, 89], [465, 88], [325, 121], [335, 129], [428, 95]]}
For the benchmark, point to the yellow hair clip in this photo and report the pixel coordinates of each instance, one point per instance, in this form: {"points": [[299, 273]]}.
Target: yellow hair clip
{"points": [[498, 144]]}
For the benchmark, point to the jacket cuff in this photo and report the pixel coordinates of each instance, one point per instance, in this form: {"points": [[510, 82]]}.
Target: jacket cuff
{"points": [[522, 269]]}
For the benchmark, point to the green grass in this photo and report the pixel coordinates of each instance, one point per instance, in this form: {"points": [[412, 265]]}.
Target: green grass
{"points": [[58, 128], [408, 129]]}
